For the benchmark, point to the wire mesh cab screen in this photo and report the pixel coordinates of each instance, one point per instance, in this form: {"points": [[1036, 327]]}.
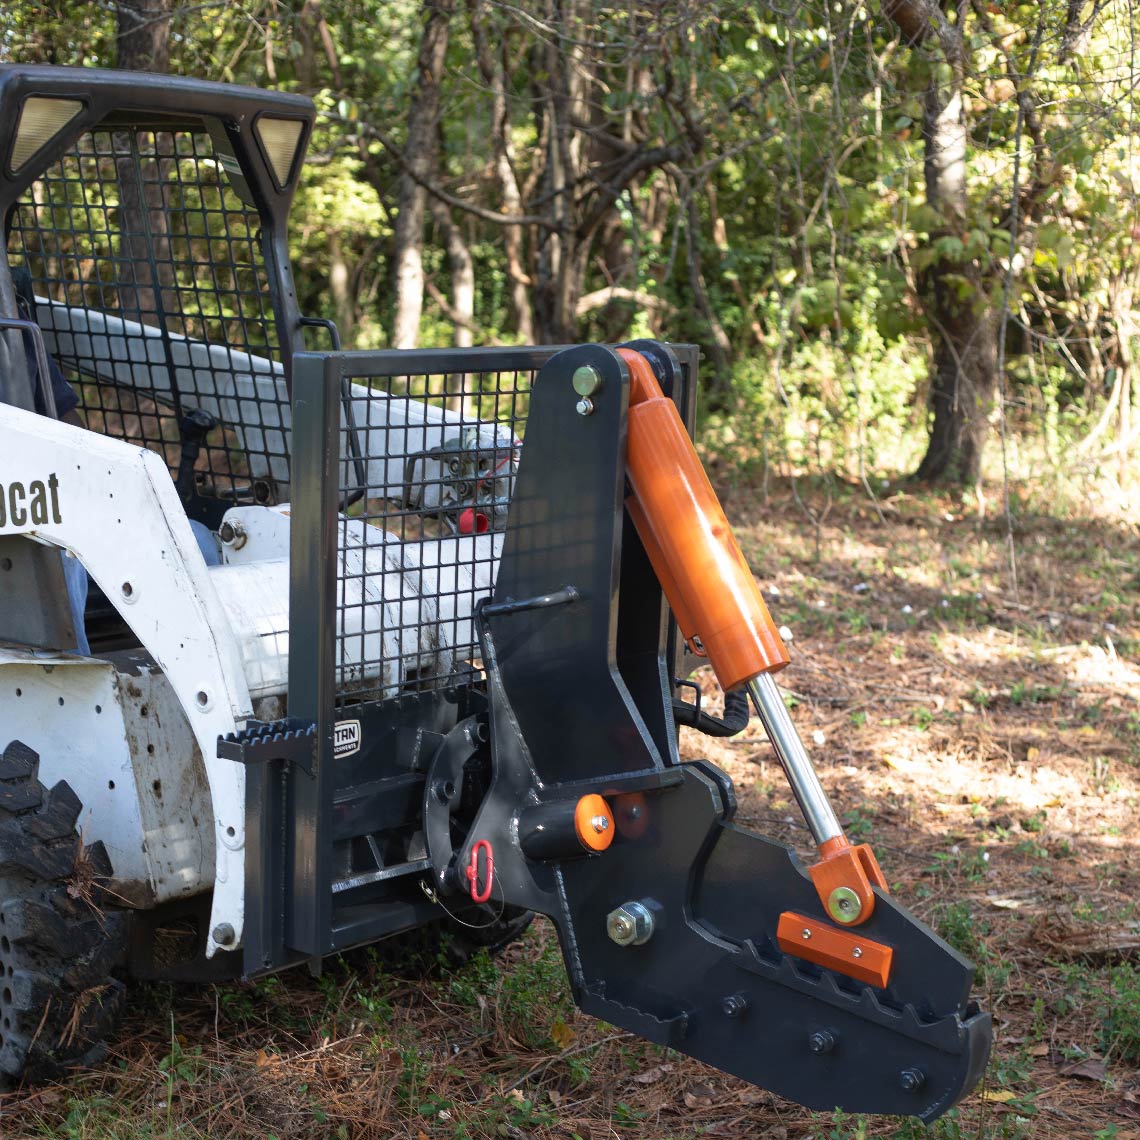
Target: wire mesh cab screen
{"points": [[428, 465], [428, 451], [149, 282]]}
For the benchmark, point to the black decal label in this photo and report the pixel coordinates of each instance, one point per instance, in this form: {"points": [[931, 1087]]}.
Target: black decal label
{"points": [[346, 738]]}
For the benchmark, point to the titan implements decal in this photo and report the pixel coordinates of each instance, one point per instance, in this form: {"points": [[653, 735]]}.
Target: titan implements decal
{"points": [[36, 502], [346, 738]]}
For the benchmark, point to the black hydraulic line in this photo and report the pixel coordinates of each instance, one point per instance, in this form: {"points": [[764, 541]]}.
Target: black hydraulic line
{"points": [[735, 719]]}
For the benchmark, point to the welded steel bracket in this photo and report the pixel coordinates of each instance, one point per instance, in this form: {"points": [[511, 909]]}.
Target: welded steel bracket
{"points": [[711, 979]]}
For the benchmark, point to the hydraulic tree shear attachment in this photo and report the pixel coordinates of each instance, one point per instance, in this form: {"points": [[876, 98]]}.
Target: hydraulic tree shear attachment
{"points": [[675, 923]]}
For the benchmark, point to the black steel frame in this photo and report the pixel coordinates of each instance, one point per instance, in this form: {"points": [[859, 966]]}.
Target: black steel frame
{"points": [[298, 796]]}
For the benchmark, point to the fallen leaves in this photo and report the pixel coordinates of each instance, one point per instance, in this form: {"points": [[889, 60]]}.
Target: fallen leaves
{"points": [[562, 1035], [699, 1096], [652, 1076], [1088, 1069]]}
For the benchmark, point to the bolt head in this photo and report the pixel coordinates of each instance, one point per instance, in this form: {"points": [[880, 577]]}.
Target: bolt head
{"points": [[223, 934], [735, 1005], [843, 905], [621, 929], [600, 823], [912, 1080], [857, 952], [822, 1041], [585, 406], [630, 924], [805, 934], [586, 380]]}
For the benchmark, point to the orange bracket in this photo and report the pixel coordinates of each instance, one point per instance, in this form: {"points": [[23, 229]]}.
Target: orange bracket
{"points": [[843, 878], [838, 950]]}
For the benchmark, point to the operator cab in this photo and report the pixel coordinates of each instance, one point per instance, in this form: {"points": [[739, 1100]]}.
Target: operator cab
{"points": [[145, 228]]}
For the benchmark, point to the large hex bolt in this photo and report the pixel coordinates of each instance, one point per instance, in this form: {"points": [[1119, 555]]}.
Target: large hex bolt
{"points": [[224, 934], [821, 1041], [911, 1080], [630, 925]]}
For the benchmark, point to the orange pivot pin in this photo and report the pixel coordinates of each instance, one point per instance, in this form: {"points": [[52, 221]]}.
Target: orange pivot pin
{"points": [[594, 823]]}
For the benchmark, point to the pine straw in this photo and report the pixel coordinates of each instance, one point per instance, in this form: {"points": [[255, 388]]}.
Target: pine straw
{"points": [[988, 749]]}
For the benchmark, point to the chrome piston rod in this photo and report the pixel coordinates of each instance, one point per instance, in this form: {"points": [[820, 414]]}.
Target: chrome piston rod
{"points": [[817, 810]]}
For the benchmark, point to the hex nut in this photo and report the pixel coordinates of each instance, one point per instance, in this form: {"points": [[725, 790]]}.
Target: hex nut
{"points": [[734, 1005], [223, 934], [631, 924], [912, 1079]]}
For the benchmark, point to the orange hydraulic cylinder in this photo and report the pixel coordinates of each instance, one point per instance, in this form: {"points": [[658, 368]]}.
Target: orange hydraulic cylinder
{"points": [[685, 533]]}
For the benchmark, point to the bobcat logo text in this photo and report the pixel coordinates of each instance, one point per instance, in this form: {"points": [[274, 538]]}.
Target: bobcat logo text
{"points": [[36, 502]]}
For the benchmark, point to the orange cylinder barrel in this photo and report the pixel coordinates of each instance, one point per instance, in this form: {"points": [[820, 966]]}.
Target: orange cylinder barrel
{"points": [[677, 602], [684, 530]]}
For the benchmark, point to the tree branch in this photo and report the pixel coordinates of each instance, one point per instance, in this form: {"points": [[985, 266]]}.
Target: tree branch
{"points": [[437, 191], [919, 19], [599, 298]]}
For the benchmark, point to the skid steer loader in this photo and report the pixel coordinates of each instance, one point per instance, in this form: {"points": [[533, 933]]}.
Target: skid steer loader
{"points": [[300, 650]]}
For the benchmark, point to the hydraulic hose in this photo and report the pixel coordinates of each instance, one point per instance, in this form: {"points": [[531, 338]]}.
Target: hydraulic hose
{"points": [[735, 719]]}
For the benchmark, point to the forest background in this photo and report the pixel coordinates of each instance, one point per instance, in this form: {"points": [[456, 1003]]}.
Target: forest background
{"points": [[905, 234], [896, 228]]}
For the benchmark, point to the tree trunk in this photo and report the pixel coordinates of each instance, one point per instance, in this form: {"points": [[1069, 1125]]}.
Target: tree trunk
{"points": [[143, 34], [339, 287], [494, 75], [420, 153], [462, 276], [143, 42], [955, 299], [561, 267], [954, 292]]}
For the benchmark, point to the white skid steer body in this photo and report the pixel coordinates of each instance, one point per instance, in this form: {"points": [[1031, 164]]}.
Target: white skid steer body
{"points": [[136, 735]]}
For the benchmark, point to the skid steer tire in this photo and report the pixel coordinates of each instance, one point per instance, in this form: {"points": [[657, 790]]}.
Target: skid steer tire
{"points": [[58, 999]]}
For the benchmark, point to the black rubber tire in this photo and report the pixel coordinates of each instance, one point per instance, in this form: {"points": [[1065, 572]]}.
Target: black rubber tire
{"points": [[58, 998]]}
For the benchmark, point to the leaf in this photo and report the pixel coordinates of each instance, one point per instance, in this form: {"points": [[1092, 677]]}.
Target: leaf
{"points": [[1000, 91], [1008, 904], [562, 1035], [1039, 1051], [699, 1096], [652, 1076], [1090, 1069], [999, 1096]]}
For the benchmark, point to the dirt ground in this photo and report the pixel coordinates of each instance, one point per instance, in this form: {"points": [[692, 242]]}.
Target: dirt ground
{"points": [[984, 739]]}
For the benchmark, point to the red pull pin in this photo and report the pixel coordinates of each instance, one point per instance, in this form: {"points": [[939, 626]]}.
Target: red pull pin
{"points": [[477, 895]]}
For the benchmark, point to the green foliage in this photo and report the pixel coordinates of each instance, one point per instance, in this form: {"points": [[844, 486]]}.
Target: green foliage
{"points": [[1119, 1013], [794, 194]]}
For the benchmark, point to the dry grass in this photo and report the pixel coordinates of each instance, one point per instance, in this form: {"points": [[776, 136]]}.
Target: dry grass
{"points": [[987, 744]]}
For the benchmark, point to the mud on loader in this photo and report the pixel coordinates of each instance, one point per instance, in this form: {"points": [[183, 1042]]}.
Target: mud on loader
{"points": [[300, 650]]}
